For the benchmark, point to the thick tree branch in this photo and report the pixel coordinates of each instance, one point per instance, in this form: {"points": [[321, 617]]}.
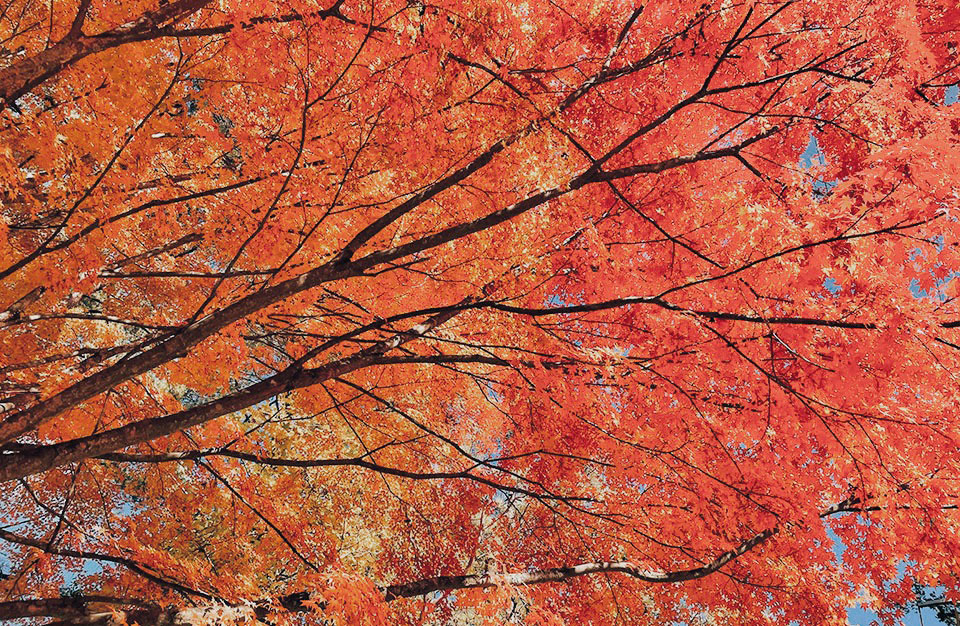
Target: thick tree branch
{"points": [[20, 464], [555, 574], [28, 73], [590, 176], [76, 28], [175, 345]]}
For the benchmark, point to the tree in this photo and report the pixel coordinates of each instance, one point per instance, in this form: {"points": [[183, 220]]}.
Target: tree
{"points": [[477, 312]]}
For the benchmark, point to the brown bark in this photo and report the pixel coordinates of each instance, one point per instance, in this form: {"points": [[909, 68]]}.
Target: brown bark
{"points": [[28, 73]]}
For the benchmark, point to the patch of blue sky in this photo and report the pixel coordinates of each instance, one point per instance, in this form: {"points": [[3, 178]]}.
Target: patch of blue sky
{"points": [[71, 575], [746, 451], [555, 300], [937, 292], [832, 286], [914, 616], [90, 567], [858, 616], [951, 95], [917, 257], [5, 565], [813, 156], [490, 393]]}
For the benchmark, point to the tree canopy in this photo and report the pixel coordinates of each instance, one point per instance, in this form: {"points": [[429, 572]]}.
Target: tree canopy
{"points": [[477, 312]]}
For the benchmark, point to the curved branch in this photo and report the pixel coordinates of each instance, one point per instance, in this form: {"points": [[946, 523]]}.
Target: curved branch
{"points": [[555, 574], [132, 565], [713, 315]]}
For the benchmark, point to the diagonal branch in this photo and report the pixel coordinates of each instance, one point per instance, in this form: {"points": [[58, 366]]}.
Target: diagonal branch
{"points": [[78, 606], [177, 345], [76, 28], [266, 520], [31, 461], [131, 564]]}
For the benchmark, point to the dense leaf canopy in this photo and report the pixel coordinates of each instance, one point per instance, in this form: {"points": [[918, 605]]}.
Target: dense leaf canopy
{"points": [[477, 312]]}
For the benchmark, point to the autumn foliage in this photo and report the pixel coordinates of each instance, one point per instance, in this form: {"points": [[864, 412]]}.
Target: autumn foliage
{"points": [[477, 312]]}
